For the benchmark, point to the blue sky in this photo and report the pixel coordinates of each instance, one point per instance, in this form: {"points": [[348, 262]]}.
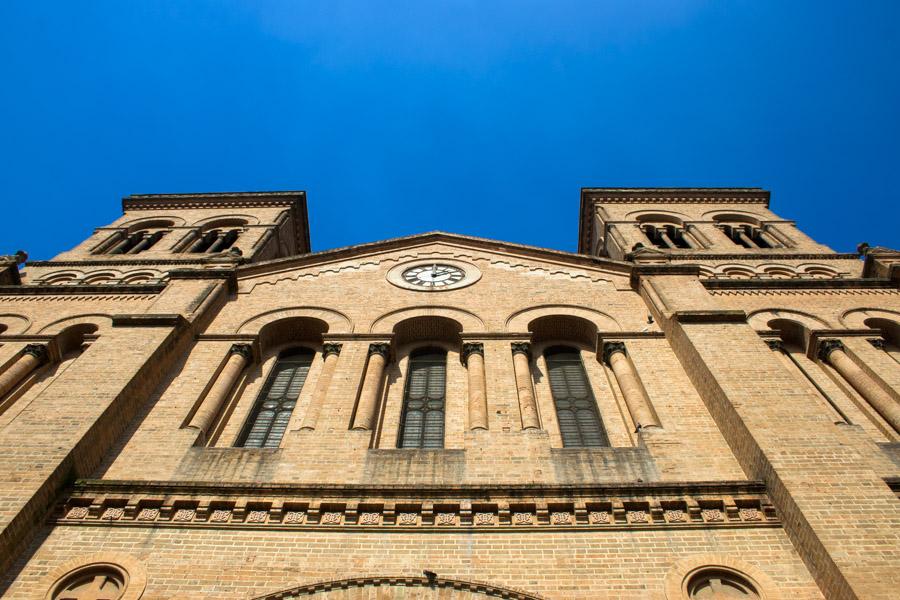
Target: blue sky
{"points": [[482, 118]]}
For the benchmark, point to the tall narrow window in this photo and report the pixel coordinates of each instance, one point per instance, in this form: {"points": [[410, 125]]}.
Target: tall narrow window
{"points": [[576, 409], [274, 405], [422, 421]]}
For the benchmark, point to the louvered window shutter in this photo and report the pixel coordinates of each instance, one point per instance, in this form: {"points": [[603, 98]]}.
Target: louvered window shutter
{"points": [[275, 404], [422, 421], [576, 409]]}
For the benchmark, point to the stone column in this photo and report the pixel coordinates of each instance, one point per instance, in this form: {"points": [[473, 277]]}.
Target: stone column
{"points": [[770, 239], [121, 246], [742, 235], [330, 353], [615, 355], [522, 366], [31, 358], [200, 241], [832, 352], [473, 359], [143, 244], [367, 408], [666, 239], [238, 358]]}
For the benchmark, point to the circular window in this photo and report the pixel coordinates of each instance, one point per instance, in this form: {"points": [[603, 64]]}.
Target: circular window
{"points": [[720, 584], [94, 582]]}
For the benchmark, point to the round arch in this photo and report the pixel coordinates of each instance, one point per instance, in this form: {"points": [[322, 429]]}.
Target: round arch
{"points": [[337, 322], [735, 216], [226, 220], [159, 222], [519, 321], [760, 319], [387, 322], [101, 321], [655, 216], [12, 324], [856, 318], [369, 588]]}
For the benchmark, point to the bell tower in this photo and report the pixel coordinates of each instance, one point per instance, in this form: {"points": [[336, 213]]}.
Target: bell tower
{"points": [[160, 232]]}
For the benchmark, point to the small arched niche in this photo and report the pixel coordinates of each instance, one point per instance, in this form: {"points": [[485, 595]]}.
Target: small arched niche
{"points": [[889, 329], [432, 329], [73, 340], [793, 333], [563, 329], [291, 330]]}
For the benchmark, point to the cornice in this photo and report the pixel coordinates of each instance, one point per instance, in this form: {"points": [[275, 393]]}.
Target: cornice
{"points": [[770, 255], [76, 290], [798, 284], [421, 239], [413, 508], [226, 262]]}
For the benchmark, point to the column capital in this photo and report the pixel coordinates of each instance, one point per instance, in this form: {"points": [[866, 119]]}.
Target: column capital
{"points": [[877, 342], [521, 348], [39, 351], [469, 348], [245, 350], [330, 348], [826, 347], [775, 344], [382, 348], [609, 348]]}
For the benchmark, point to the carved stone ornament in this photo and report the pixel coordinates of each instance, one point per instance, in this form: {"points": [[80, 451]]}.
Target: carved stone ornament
{"points": [[877, 342], [522, 518], [148, 514], [774, 344], [369, 518], [381, 348], [331, 518], [244, 350], [598, 517], [470, 348], [638, 516], [675, 516], [77, 512], [184, 514], [407, 518], [294, 517], [331, 348], [610, 347], [257, 516], [826, 347], [712, 514], [561, 518], [113, 513], [220, 516], [484, 518], [521, 348], [445, 519], [39, 351], [749, 514]]}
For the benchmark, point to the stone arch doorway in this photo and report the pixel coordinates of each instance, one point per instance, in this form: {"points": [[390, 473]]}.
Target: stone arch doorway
{"points": [[400, 588]]}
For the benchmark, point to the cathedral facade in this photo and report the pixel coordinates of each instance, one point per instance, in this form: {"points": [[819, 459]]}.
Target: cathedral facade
{"points": [[701, 403]]}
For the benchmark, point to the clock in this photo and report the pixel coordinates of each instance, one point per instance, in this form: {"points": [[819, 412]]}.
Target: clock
{"points": [[434, 275]]}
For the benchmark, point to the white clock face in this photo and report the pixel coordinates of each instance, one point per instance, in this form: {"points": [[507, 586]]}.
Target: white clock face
{"points": [[434, 276]]}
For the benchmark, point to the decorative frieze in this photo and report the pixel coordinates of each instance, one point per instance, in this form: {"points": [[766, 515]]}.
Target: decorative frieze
{"points": [[146, 509]]}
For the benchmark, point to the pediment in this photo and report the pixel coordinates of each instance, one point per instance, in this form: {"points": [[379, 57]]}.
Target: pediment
{"points": [[485, 254]]}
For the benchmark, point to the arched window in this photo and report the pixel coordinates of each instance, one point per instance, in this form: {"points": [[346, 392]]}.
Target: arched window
{"points": [[215, 240], [422, 419], [665, 236], [275, 404], [576, 409], [747, 235]]}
